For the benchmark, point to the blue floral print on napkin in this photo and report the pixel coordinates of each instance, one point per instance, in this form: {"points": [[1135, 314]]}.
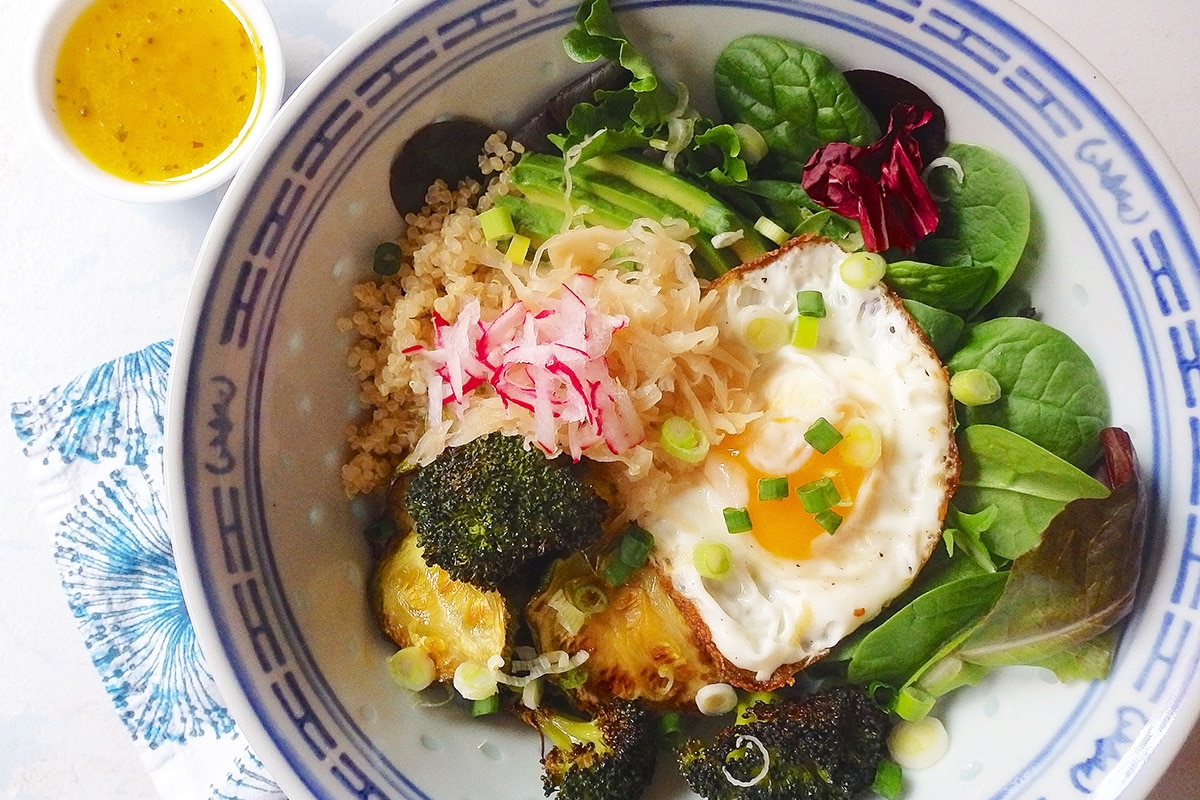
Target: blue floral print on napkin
{"points": [[96, 447]]}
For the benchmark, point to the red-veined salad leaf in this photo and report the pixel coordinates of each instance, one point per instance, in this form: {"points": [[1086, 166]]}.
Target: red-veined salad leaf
{"points": [[879, 185], [1079, 582]]}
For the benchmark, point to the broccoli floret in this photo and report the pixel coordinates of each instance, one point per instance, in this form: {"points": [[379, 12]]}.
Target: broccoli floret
{"points": [[487, 510], [823, 746], [612, 756]]}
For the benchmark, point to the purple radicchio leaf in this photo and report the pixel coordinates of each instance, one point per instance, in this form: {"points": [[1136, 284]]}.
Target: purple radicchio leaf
{"points": [[878, 185], [881, 92]]}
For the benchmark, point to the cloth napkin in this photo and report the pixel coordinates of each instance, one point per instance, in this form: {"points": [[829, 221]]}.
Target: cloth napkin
{"points": [[95, 447]]}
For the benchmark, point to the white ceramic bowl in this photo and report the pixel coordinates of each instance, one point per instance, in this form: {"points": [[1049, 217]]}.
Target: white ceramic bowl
{"points": [[40, 66], [269, 549]]}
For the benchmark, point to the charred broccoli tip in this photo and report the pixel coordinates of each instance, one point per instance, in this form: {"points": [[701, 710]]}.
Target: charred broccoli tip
{"points": [[823, 746], [487, 510], [609, 757]]}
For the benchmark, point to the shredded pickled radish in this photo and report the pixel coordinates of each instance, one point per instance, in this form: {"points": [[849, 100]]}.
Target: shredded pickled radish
{"points": [[549, 360]]}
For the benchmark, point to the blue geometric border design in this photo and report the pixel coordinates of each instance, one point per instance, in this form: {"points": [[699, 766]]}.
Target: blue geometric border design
{"points": [[1133, 219]]}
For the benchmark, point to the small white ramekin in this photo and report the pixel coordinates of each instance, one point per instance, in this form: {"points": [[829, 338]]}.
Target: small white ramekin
{"points": [[39, 85]]}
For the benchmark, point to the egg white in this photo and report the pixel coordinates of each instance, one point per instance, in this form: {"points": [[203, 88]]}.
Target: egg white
{"points": [[769, 616]]}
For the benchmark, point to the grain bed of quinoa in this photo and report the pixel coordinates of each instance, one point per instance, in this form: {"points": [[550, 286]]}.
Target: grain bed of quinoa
{"points": [[437, 268], [669, 356]]}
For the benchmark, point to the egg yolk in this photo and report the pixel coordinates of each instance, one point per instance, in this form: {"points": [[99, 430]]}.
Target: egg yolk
{"points": [[152, 91], [783, 526]]}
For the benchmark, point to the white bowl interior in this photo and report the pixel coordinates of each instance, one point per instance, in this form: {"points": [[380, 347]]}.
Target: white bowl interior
{"points": [[269, 547]]}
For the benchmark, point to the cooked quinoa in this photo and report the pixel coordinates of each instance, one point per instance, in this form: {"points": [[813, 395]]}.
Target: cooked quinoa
{"points": [[393, 313], [665, 357]]}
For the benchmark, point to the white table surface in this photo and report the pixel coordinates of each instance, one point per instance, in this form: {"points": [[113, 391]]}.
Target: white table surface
{"points": [[86, 279]]}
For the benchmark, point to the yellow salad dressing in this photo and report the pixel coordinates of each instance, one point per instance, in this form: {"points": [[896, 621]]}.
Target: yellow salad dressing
{"points": [[154, 90]]}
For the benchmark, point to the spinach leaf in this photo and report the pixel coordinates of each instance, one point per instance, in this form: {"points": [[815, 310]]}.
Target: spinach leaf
{"points": [[942, 568], [941, 328], [1078, 583], [984, 213], [794, 96], [1028, 484], [965, 532], [955, 289], [787, 204], [1051, 391], [896, 650]]}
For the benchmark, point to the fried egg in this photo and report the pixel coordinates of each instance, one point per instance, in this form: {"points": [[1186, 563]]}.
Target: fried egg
{"points": [[871, 394]]}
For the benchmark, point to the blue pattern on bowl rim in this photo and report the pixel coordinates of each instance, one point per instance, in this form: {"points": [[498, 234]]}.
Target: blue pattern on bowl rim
{"points": [[1086, 145]]}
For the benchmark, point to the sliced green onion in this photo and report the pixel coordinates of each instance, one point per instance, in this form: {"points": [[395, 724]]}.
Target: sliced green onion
{"points": [[712, 559], [670, 729], [861, 446], [412, 668], [918, 745], [531, 694], [819, 495], [737, 520], [683, 439], [616, 571], [889, 779], [474, 681], [772, 488], [629, 553], [949, 673], [913, 703], [573, 678], [715, 699], [486, 706], [767, 330], [518, 248], [822, 435], [974, 387], [569, 617], [636, 545], [805, 334], [589, 598], [496, 223], [387, 259], [727, 238], [810, 303], [862, 270], [771, 230], [829, 520], [753, 146]]}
